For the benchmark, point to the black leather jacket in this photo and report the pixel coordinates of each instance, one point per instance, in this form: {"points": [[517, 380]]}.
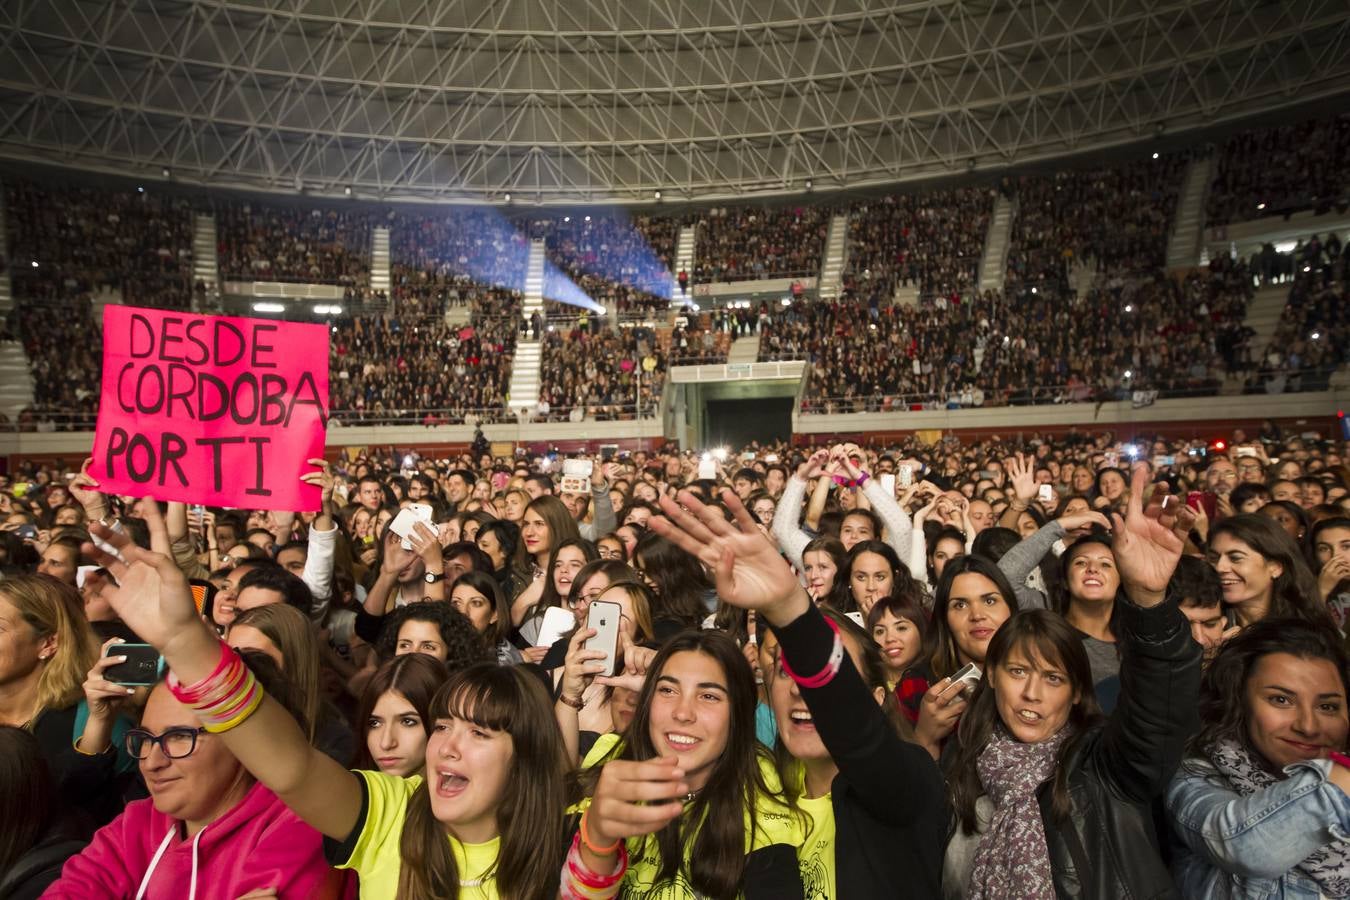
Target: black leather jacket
{"points": [[1108, 848]]}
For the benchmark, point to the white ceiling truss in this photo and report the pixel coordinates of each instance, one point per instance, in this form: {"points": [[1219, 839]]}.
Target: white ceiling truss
{"points": [[561, 101]]}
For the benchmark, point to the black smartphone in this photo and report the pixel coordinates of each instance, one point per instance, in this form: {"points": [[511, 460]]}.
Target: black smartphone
{"points": [[141, 667]]}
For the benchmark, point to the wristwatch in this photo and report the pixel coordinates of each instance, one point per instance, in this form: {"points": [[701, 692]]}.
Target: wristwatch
{"points": [[433, 577]]}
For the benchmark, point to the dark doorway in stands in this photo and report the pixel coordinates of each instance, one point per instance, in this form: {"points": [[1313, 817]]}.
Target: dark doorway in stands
{"points": [[735, 423]]}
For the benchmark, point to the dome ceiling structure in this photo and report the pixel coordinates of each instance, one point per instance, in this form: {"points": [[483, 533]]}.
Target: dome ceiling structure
{"points": [[576, 101]]}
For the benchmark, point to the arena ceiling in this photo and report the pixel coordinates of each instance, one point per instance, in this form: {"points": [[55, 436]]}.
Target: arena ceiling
{"points": [[613, 100]]}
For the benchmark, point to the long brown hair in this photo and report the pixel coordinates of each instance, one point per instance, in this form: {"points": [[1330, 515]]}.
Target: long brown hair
{"points": [[292, 634], [561, 526], [530, 811], [713, 824], [1054, 640], [28, 798]]}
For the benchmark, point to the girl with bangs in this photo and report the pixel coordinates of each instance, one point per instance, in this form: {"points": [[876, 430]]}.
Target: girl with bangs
{"points": [[686, 802], [486, 823]]}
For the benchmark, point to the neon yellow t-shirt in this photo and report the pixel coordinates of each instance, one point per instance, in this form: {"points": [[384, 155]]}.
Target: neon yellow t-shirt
{"points": [[816, 854], [375, 856], [773, 823]]}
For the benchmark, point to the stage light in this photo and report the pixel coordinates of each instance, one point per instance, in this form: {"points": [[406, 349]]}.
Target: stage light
{"points": [[1155, 154], [1260, 206], [269, 307], [656, 194], [347, 190], [508, 197]]}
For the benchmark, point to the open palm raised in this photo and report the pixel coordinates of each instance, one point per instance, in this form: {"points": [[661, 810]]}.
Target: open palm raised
{"points": [[152, 597], [1146, 546], [747, 569]]}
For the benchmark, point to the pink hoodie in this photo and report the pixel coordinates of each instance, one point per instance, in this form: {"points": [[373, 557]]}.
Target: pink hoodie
{"points": [[257, 844]]}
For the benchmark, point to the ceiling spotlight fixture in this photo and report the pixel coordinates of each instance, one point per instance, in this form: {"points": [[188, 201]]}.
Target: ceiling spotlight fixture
{"points": [[657, 194], [1260, 206], [1155, 154], [567, 218], [809, 184], [347, 190], [508, 196], [140, 189], [165, 171], [970, 164]]}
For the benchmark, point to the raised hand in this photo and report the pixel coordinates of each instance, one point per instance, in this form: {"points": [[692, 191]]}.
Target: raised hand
{"points": [[748, 570], [103, 697], [580, 667], [152, 597], [1022, 474], [84, 489], [636, 661], [814, 465], [1084, 520], [1146, 546], [322, 479]]}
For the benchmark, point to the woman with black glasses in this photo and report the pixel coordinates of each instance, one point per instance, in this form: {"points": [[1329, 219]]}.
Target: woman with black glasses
{"points": [[205, 815]]}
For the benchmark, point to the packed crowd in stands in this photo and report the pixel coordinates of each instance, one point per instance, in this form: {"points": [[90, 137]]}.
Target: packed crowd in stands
{"points": [[419, 369], [1279, 171], [933, 240], [898, 669], [1110, 328], [1116, 219], [272, 242], [1144, 333], [741, 243], [592, 370], [1313, 337], [72, 241], [614, 260]]}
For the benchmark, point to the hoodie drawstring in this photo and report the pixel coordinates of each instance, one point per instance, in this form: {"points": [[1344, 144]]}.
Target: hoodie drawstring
{"points": [[159, 854]]}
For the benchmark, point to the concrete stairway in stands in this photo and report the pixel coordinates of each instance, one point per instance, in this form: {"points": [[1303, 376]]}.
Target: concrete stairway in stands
{"points": [[993, 265], [16, 382], [1263, 317], [1183, 247], [744, 350], [836, 255], [684, 260], [205, 259], [379, 260], [524, 391]]}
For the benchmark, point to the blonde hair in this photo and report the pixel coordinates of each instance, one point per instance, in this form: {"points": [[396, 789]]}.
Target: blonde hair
{"points": [[287, 628], [54, 609]]}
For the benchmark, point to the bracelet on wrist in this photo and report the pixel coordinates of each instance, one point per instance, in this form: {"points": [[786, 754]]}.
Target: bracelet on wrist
{"points": [[578, 702], [584, 834]]}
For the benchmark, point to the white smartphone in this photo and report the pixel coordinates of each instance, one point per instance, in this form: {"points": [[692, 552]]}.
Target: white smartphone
{"points": [[906, 476], [402, 524], [857, 617], [888, 483], [578, 468], [603, 616], [557, 622], [1245, 451], [1045, 494], [707, 470], [967, 677]]}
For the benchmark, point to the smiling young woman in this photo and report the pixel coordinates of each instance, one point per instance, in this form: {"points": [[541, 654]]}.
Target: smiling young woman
{"points": [[1265, 788], [723, 829]]}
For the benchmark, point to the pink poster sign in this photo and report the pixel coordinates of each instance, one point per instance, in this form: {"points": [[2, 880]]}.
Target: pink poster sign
{"points": [[217, 410]]}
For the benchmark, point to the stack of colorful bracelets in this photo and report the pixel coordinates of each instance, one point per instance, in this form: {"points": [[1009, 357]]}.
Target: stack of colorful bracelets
{"points": [[831, 669], [223, 699], [579, 882]]}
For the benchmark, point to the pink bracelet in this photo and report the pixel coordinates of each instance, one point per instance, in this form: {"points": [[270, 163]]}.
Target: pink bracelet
{"points": [[825, 675], [192, 694], [1339, 759]]}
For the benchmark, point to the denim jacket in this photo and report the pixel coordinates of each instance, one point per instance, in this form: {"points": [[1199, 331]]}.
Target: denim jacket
{"points": [[1246, 848]]}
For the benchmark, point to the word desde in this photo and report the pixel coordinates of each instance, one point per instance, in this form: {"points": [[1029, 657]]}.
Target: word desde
{"points": [[188, 400]]}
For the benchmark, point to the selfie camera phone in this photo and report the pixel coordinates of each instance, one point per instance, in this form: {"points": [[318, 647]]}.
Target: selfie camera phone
{"points": [[1045, 494], [968, 676], [141, 668], [402, 524], [603, 616], [906, 476]]}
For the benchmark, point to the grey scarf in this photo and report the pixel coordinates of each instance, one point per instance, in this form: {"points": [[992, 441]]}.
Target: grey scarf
{"points": [[1329, 866], [1012, 859]]}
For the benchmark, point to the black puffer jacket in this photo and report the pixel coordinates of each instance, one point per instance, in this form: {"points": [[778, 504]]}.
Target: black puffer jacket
{"points": [[1108, 847]]}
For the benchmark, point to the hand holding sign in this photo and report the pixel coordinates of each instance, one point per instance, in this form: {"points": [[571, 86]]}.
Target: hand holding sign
{"points": [[211, 409]]}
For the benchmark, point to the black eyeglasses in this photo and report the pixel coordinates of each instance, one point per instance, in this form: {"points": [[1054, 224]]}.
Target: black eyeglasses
{"points": [[176, 743]]}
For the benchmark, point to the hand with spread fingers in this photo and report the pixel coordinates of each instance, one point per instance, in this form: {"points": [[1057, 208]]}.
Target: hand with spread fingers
{"points": [[1146, 545], [152, 597], [747, 568]]}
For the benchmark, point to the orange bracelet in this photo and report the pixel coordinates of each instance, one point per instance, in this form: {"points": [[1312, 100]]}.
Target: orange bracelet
{"points": [[586, 839]]}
